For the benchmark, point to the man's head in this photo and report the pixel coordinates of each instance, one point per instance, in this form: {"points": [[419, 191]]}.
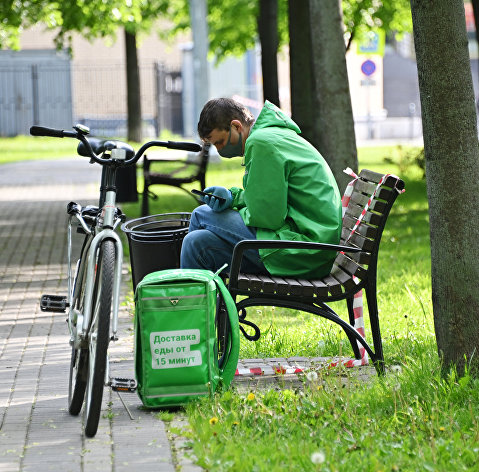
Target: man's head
{"points": [[224, 122]]}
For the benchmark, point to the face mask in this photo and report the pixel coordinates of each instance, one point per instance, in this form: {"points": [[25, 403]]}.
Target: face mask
{"points": [[232, 150]]}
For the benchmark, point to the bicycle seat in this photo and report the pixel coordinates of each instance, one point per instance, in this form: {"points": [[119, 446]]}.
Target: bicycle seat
{"points": [[101, 145]]}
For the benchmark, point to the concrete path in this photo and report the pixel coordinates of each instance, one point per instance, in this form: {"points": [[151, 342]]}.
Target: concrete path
{"points": [[36, 431]]}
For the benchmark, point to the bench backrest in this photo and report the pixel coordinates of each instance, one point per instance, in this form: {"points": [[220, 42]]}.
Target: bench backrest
{"points": [[367, 235]]}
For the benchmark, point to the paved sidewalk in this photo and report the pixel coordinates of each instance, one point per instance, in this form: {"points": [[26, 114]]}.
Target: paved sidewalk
{"points": [[36, 431]]}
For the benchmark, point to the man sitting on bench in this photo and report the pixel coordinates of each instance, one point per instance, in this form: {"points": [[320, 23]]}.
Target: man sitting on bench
{"points": [[289, 193]]}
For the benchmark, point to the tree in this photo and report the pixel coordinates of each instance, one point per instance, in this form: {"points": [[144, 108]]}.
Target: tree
{"points": [[300, 66], [452, 173], [133, 88], [333, 125], [268, 36]]}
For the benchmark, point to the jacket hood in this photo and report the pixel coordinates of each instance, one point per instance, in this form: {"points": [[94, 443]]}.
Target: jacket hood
{"points": [[271, 115]]}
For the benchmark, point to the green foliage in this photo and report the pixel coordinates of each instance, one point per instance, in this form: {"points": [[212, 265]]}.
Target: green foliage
{"points": [[232, 23], [91, 18], [408, 160], [18, 14], [389, 15]]}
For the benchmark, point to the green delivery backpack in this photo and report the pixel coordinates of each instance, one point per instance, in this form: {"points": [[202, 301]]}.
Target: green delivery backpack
{"points": [[177, 356]]}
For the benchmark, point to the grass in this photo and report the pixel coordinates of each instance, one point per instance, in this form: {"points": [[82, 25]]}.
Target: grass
{"points": [[22, 148], [413, 419]]}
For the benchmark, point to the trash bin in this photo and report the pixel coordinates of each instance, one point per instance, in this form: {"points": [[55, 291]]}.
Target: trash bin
{"points": [[125, 183], [155, 242]]}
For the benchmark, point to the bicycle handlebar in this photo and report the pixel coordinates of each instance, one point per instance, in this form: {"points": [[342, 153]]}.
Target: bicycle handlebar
{"points": [[54, 133], [80, 135]]}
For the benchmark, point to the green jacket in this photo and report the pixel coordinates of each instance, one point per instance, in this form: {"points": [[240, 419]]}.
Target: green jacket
{"points": [[289, 194]]}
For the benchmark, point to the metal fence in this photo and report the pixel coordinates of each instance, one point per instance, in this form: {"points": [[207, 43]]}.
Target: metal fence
{"points": [[30, 94], [60, 95]]}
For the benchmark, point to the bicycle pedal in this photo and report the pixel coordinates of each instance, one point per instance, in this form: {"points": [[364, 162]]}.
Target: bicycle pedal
{"points": [[123, 385], [56, 303]]}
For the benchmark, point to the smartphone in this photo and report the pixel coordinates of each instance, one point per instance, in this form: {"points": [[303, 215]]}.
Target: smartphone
{"points": [[199, 192]]}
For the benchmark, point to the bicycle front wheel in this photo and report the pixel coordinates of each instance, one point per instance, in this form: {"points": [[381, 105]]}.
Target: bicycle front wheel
{"points": [[99, 335], [78, 379], [79, 357]]}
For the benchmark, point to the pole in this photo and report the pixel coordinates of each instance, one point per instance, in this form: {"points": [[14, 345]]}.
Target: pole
{"points": [[199, 26]]}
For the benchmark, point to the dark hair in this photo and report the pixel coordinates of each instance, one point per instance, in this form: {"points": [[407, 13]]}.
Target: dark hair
{"points": [[218, 114]]}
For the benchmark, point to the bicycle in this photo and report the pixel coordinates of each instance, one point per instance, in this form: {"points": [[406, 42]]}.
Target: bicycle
{"points": [[94, 287]]}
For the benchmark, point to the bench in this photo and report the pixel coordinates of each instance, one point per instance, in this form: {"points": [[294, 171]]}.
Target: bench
{"points": [[183, 172], [354, 269]]}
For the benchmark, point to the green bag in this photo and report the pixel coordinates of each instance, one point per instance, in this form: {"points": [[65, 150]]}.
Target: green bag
{"points": [[176, 341]]}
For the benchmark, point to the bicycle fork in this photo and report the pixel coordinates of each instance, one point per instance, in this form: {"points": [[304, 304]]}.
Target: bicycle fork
{"points": [[79, 322], [90, 273]]}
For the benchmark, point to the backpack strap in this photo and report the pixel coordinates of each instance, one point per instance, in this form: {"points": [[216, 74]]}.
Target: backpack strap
{"points": [[230, 363]]}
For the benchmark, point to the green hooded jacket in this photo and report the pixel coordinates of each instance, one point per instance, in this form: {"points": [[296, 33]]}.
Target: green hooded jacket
{"points": [[289, 193]]}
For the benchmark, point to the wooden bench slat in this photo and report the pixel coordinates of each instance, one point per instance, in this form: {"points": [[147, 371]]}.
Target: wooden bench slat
{"points": [[354, 211], [334, 286], [281, 286], [364, 229], [370, 176], [391, 181], [320, 288], [357, 240], [308, 287], [362, 201], [294, 287], [368, 189], [350, 266], [244, 282], [343, 278], [268, 283], [364, 187]]}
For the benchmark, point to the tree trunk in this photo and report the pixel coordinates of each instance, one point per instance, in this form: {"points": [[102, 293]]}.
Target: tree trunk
{"points": [[332, 111], [300, 67], [452, 174], [268, 36], [133, 88]]}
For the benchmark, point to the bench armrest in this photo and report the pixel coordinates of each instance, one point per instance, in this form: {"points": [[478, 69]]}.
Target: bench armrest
{"points": [[246, 244]]}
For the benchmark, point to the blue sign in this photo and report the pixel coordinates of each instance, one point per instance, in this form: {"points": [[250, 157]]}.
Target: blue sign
{"points": [[368, 67]]}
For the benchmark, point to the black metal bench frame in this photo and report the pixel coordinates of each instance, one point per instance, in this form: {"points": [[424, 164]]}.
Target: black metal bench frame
{"points": [[354, 269], [192, 171]]}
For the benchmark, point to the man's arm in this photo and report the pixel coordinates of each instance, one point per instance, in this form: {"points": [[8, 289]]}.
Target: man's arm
{"points": [[266, 192]]}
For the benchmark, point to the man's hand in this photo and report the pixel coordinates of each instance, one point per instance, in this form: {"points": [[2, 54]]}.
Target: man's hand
{"points": [[214, 203]]}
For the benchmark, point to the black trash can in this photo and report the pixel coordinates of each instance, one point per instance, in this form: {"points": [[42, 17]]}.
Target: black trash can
{"points": [[155, 242]]}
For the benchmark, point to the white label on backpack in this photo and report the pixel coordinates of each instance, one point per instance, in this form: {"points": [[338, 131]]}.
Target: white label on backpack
{"points": [[170, 349]]}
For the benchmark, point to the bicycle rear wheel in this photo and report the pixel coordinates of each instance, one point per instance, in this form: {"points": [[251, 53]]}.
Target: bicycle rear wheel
{"points": [[99, 335]]}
